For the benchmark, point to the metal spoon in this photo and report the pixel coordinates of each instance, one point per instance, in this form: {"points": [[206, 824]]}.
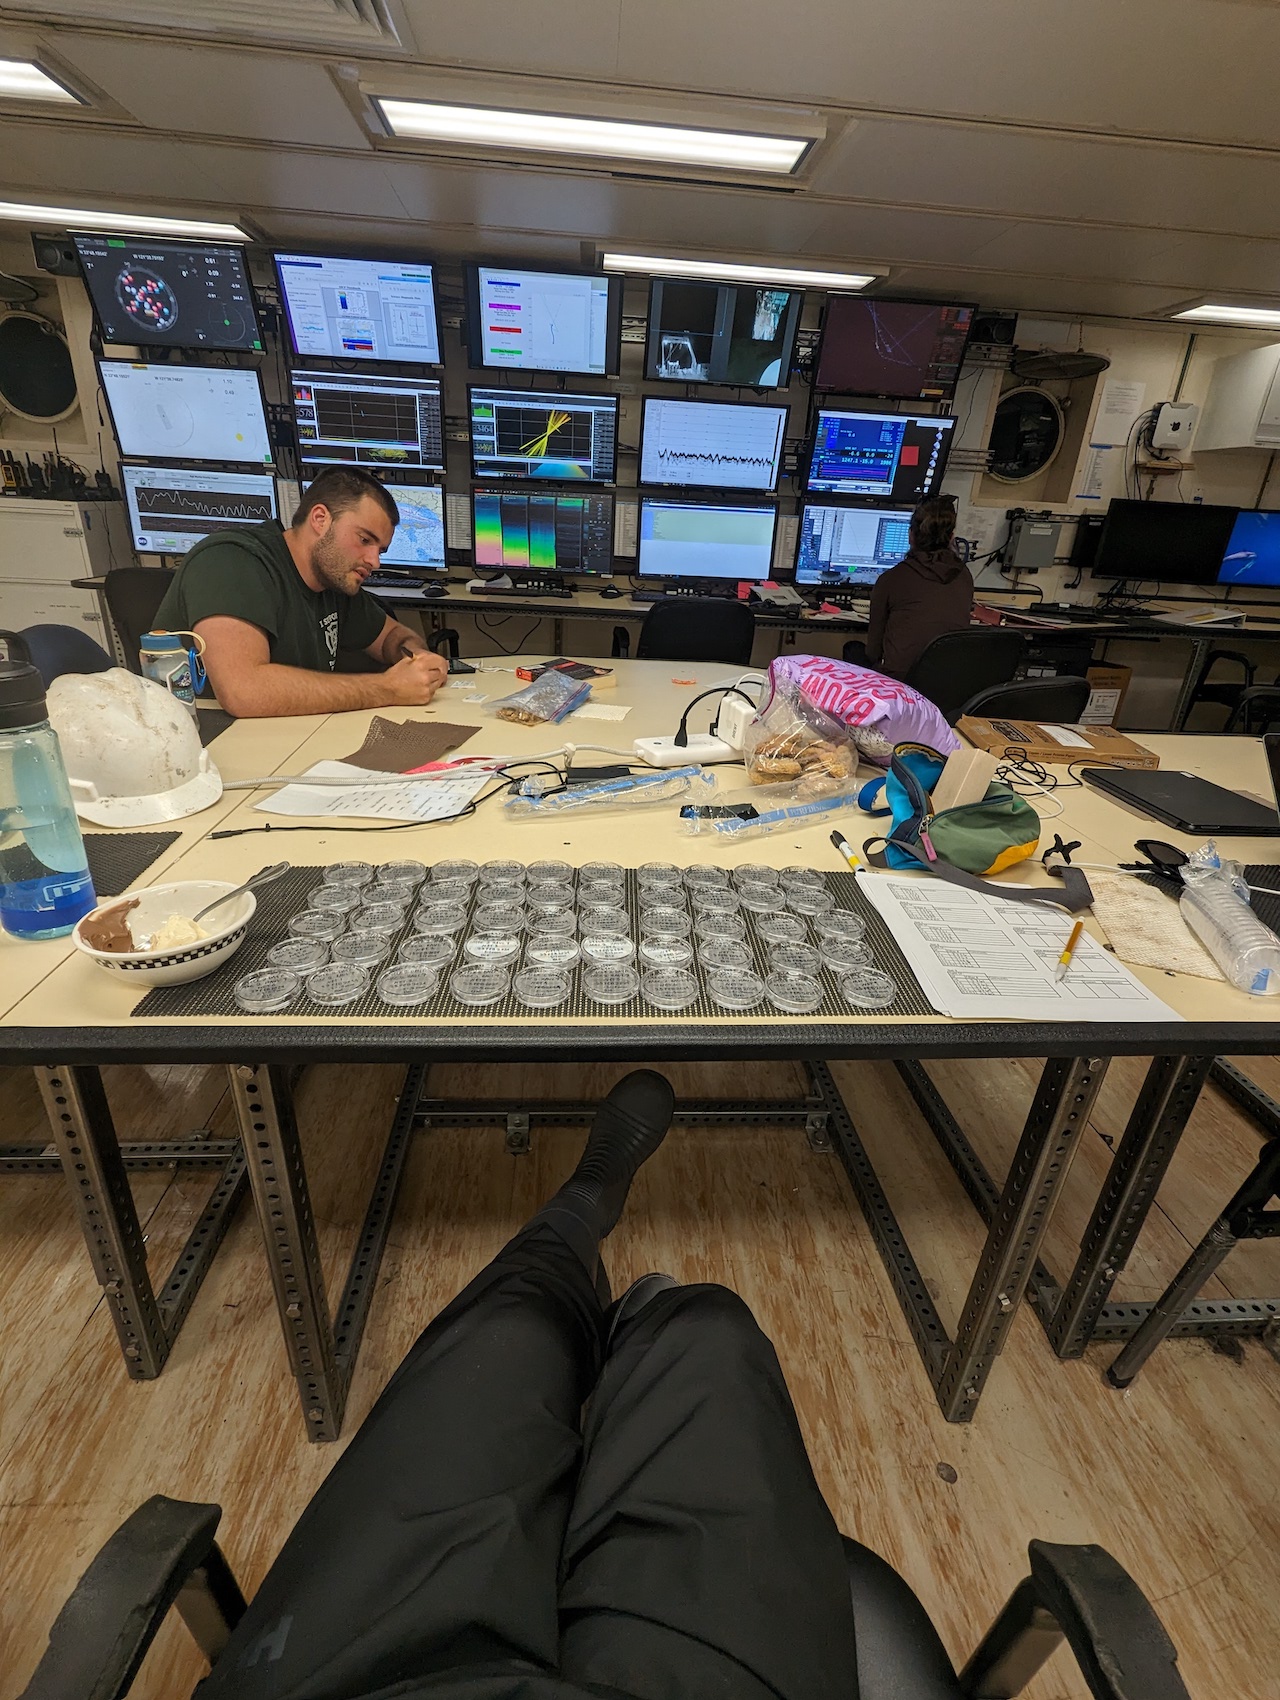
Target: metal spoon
{"points": [[263, 878]]}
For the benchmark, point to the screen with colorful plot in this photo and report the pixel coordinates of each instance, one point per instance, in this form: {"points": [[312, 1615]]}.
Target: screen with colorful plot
{"points": [[1253, 553], [519, 531], [897, 457], [544, 434]]}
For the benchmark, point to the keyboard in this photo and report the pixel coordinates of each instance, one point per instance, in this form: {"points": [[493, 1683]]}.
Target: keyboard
{"points": [[405, 584]]}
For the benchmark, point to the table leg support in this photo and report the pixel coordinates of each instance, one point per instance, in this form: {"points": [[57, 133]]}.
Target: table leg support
{"points": [[1200, 647], [85, 1136], [1155, 1126]]}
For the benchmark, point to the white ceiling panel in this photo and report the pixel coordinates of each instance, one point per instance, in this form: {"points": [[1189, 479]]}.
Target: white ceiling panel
{"points": [[1061, 250], [886, 233], [273, 177], [216, 91], [579, 38], [77, 160]]}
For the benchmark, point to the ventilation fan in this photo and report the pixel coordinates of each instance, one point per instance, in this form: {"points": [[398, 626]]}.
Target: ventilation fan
{"points": [[37, 379], [1042, 363]]}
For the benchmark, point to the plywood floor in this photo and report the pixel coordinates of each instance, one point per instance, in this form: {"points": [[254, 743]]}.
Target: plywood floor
{"points": [[1178, 1477]]}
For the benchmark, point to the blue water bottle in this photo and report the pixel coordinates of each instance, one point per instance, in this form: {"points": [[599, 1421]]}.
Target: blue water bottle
{"points": [[45, 886]]}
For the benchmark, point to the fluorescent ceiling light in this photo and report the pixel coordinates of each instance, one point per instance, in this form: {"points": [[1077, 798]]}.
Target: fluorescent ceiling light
{"points": [[724, 272], [125, 223], [549, 132], [22, 79], [1264, 318]]}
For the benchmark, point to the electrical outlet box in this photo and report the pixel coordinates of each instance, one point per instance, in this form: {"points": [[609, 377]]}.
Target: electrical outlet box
{"points": [[702, 749]]}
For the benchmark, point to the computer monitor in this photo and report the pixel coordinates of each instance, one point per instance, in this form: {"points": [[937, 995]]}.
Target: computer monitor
{"points": [[172, 507], [890, 457], [527, 531], [544, 434], [203, 413], [705, 540], [908, 350], [534, 321], [1171, 542], [842, 547], [1253, 550], [146, 289], [351, 309], [723, 445], [357, 419], [419, 537], [721, 333]]}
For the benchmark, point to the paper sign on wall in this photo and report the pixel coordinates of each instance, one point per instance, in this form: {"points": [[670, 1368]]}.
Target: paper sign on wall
{"points": [[1122, 401], [1093, 475]]}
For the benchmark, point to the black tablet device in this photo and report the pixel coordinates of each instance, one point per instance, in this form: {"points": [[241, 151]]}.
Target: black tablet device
{"points": [[1184, 801]]}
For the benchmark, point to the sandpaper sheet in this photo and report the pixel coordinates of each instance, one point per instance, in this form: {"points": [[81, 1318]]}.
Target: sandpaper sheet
{"points": [[403, 746]]}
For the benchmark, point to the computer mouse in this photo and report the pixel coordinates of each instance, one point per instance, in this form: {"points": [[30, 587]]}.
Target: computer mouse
{"points": [[610, 591]]}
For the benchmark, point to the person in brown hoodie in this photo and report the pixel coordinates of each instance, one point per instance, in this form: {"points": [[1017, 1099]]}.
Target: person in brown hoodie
{"points": [[927, 594]]}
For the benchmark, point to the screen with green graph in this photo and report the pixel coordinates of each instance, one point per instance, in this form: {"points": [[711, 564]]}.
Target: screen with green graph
{"points": [[524, 532], [544, 434]]}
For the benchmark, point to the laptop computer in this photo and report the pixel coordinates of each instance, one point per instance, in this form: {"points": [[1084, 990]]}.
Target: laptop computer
{"points": [[1191, 804]]}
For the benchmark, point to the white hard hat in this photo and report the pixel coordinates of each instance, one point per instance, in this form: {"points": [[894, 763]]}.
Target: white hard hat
{"points": [[131, 750]]}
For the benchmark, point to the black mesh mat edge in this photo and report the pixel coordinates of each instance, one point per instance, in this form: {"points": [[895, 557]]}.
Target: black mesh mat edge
{"points": [[277, 903], [1267, 909], [117, 860]]}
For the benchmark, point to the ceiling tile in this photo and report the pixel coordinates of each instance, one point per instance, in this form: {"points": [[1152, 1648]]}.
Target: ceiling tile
{"points": [[579, 38]]}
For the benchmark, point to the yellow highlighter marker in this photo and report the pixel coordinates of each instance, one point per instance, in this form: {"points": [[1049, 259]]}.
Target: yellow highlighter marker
{"points": [[846, 850], [1064, 961]]}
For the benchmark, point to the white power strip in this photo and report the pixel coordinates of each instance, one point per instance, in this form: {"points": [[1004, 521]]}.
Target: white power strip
{"points": [[701, 749]]}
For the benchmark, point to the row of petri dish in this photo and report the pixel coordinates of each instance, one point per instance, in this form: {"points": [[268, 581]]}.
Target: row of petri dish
{"points": [[528, 927]]}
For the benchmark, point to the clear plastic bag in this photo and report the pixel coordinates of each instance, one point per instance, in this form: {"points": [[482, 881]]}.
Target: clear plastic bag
{"points": [[679, 785], [784, 817], [1215, 905], [794, 743], [545, 702]]}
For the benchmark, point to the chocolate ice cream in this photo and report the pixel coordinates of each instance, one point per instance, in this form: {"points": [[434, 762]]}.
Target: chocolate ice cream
{"points": [[110, 930]]}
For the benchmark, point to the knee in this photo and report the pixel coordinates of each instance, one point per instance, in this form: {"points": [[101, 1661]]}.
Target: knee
{"points": [[715, 1323]]}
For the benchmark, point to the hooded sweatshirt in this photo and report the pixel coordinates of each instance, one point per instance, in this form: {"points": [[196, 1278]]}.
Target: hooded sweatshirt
{"points": [[925, 596]]}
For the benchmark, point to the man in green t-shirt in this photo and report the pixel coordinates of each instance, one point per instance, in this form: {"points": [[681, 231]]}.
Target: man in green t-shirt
{"points": [[274, 607]]}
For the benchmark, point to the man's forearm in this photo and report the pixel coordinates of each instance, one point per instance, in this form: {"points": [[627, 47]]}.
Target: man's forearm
{"points": [[397, 642], [271, 689]]}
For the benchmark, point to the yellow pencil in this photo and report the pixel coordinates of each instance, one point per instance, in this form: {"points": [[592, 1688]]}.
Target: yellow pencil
{"points": [[1064, 961]]}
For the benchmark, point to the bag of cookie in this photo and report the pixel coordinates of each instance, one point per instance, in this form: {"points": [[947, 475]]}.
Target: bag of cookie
{"points": [[815, 700], [793, 744]]}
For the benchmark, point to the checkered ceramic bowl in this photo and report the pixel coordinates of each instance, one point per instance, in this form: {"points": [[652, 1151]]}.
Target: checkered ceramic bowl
{"points": [[226, 928]]}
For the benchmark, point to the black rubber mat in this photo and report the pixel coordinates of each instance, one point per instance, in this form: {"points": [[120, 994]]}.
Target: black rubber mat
{"points": [[277, 903], [118, 860], [1265, 907]]}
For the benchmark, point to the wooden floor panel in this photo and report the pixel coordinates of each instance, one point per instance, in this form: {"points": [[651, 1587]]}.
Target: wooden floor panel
{"points": [[1176, 1477]]}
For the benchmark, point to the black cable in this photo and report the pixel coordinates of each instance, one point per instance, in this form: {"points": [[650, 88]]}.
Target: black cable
{"points": [[483, 620], [681, 739], [397, 826]]}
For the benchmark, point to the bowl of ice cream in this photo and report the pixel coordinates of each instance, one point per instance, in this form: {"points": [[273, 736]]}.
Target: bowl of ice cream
{"points": [[151, 936]]}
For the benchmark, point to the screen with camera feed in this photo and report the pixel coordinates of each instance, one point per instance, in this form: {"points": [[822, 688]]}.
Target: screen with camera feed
{"points": [[529, 531], [894, 457], [845, 547], [1253, 550], [533, 321], [544, 434], [171, 294], [356, 419], [705, 540], [719, 445], [907, 350], [348, 309], [171, 412], [721, 333], [1170, 542], [172, 507]]}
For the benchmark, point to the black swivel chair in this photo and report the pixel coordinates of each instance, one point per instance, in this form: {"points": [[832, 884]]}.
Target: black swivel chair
{"points": [[1256, 711], [134, 595], [165, 1555], [1060, 700], [55, 650], [697, 628], [1225, 692], [957, 665]]}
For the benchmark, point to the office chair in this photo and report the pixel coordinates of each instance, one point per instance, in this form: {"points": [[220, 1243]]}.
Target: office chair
{"points": [[1257, 710], [697, 628], [133, 596], [1060, 699], [1226, 692], [55, 650], [165, 1555], [958, 664]]}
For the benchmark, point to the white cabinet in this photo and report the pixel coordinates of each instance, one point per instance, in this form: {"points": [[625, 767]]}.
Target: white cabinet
{"points": [[43, 547], [1242, 408]]}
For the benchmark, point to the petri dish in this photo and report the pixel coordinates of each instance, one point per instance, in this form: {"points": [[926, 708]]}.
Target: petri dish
{"points": [[541, 988], [408, 982], [394, 873], [760, 899], [491, 947], [793, 878], [542, 898], [718, 899], [428, 949], [505, 918], [719, 926], [339, 983], [550, 873], [561, 921], [267, 989], [446, 891], [479, 983], [502, 871], [715, 954], [335, 899], [810, 900], [840, 924], [315, 924], [462, 870], [658, 873], [782, 929], [797, 994], [610, 982], [604, 921], [842, 954], [303, 956], [608, 949], [369, 945], [754, 873], [666, 950], [439, 918], [402, 892], [735, 988], [670, 988], [612, 871], [601, 891], [552, 950], [707, 874], [385, 917], [502, 891], [348, 873], [868, 988], [665, 918], [795, 959]]}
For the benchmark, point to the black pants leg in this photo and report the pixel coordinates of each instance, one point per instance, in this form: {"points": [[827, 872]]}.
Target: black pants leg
{"points": [[434, 1544], [700, 1558]]}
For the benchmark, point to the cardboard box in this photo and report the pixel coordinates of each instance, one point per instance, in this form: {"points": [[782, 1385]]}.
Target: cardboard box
{"points": [[1107, 688], [1031, 740]]}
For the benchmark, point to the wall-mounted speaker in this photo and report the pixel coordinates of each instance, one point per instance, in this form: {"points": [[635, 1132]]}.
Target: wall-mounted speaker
{"points": [[55, 254]]}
